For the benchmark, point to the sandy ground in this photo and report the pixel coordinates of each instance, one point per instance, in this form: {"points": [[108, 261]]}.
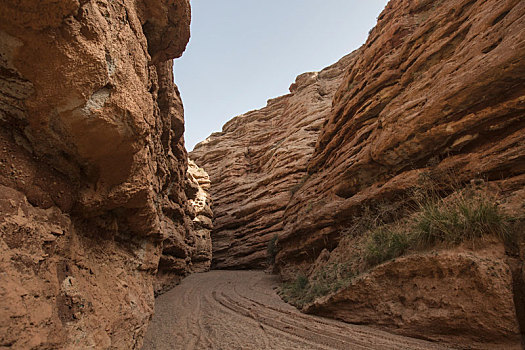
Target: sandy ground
{"points": [[230, 310]]}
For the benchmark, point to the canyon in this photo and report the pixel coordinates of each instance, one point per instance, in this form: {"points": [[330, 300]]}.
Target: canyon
{"points": [[102, 209], [436, 92], [255, 161]]}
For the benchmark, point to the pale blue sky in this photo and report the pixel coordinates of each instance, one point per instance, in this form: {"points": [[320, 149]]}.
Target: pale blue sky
{"points": [[244, 52]]}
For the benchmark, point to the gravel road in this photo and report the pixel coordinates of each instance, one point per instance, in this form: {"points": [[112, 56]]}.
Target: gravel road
{"points": [[230, 310]]}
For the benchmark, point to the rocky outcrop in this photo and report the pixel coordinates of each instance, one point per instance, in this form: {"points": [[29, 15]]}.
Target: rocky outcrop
{"points": [[257, 162], [182, 255], [437, 87], [92, 168], [460, 296], [200, 201], [437, 90]]}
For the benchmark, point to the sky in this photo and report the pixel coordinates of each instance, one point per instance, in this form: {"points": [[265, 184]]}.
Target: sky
{"points": [[244, 52]]}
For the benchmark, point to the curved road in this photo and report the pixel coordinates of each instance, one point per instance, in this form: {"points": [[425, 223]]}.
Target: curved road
{"points": [[229, 310]]}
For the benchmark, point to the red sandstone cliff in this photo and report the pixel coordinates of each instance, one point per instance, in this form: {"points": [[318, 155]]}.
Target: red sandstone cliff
{"points": [[436, 84], [438, 88], [256, 161], [92, 169]]}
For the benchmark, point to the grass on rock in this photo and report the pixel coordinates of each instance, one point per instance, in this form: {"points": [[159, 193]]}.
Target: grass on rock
{"points": [[464, 216], [328, 279]]}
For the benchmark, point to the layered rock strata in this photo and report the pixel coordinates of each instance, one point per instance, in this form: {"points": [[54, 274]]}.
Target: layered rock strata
{"points": [[92, 168], [257, 161], [438, 87], [437, 90]]}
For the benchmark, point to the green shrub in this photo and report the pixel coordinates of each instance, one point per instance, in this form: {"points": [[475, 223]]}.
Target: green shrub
{"points": [[385, 244], [327, 280], [463, 218], [294, 292], [272, 250], [301, 282], [330, 278]]}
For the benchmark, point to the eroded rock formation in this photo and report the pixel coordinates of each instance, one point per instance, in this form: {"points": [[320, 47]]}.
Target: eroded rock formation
{"points": [[438, 88], [460, 296], [182, 255], [92, 168], [257, 162]]}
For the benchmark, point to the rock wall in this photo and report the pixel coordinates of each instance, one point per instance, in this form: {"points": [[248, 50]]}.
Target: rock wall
{"points": [[181, 254], [257, 162], [92, 168], [438, 88]]}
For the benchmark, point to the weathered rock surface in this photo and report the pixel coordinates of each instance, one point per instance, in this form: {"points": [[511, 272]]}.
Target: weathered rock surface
{"points": [[256, 162], [92, 168], [183, 255], [439, 89], [461, 296]]}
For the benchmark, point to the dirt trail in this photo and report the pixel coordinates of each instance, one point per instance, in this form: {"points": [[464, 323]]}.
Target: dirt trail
{"points": [[240, 310]]}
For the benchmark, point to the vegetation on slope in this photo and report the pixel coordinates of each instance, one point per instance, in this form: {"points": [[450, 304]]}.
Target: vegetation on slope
{"points": [[466, 216]]}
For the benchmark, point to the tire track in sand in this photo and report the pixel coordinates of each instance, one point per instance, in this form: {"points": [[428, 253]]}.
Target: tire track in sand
{"points": [[227, 310]]}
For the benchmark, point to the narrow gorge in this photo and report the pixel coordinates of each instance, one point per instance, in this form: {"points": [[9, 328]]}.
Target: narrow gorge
{"points": [[433, 100], [384, 196]]}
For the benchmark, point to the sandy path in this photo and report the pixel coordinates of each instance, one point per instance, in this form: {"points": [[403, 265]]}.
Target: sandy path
{"points": [[229, 310]]}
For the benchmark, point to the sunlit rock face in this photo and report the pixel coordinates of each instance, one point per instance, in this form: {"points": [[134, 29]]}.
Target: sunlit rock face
{"points": [[438, 88], [203, 219], [256, 162], [92, 168], [184, 254]]}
